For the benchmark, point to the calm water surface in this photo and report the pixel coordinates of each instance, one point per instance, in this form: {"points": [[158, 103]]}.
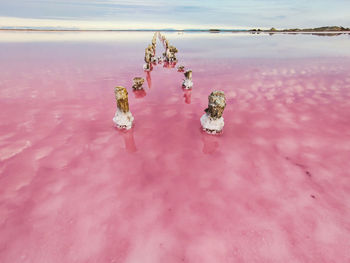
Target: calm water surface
{"points": [[274, 187]]}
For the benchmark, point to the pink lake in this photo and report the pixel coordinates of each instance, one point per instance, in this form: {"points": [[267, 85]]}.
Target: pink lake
{"points": [[274, 187]]}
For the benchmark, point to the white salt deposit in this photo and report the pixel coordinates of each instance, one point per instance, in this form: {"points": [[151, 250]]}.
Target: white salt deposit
{"points": [[187, 83], [210, 125], [146, 67], [123, 120]]}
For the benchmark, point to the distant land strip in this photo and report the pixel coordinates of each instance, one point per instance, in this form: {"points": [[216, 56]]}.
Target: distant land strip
{"points": [[326, 29]]}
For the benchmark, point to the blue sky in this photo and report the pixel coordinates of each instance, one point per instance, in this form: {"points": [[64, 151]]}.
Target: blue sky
{"points": [[180, 14]]}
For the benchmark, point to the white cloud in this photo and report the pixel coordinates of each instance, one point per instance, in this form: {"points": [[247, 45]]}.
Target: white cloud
{"points": [[7, 22]]}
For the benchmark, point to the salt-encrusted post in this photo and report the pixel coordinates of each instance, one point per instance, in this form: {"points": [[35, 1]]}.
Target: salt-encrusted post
{"points": [[172, 57], [149, 58], [170, 54], [123, 117], [187, 82], [180, 68], [138, 82], [154, 41], [212, 121]]}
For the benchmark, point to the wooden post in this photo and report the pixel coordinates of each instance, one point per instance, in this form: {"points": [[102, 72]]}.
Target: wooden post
{"points": [[123, 117], [212, 121], [121, 96], [138, 82], [216, 105]]}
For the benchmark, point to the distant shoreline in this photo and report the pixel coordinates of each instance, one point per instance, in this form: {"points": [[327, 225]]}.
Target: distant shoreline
{"points": [[180, 31], [320, 30], [124, 30]]}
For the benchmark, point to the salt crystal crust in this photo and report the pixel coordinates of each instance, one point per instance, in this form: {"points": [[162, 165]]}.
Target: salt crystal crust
{"points": [[212, 121], [211, 125], [123, 120], [187, 83]]}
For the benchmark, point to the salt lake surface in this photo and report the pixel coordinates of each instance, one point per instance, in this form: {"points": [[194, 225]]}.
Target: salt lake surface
{"points": [[274, 187]]}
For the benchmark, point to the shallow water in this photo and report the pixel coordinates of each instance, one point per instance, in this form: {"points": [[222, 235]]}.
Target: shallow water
{"points": [[274, 187]]}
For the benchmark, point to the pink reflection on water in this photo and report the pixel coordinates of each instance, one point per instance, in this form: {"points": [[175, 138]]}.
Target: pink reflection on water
{"points": [[187, 95], [169, 64], [129, 140], [273, 187], [139, 94], [149, 79], [210, 142]]}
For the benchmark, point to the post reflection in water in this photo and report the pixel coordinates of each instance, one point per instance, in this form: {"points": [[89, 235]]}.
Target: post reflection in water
{"points": [[139, 94], [210, 143], [187, 95], [169, 64], [129, 141], [149, 79]]}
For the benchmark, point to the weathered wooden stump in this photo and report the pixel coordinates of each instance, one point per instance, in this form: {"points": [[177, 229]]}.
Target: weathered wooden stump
{"points": [[138, 82], [187, 82], [123, 117], [212, 121]]}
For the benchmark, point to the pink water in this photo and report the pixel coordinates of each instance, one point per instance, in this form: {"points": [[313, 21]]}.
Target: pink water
{"points": [[274, 187]]}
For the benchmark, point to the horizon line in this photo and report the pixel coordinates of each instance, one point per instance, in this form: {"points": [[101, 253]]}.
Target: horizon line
{"points": [[212, 30]]}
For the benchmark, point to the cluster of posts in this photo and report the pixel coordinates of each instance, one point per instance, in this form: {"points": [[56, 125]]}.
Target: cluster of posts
{"points": [[212, 121], [150, 54]]}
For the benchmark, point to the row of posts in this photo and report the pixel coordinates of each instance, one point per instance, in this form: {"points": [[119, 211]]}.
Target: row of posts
{"points": [[212, 121]]}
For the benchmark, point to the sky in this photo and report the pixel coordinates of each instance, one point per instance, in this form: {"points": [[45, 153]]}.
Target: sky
{"points": [[179, 14]]}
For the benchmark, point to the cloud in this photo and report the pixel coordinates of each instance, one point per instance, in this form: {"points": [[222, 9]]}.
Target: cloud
{"points": [[224, 13]]}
